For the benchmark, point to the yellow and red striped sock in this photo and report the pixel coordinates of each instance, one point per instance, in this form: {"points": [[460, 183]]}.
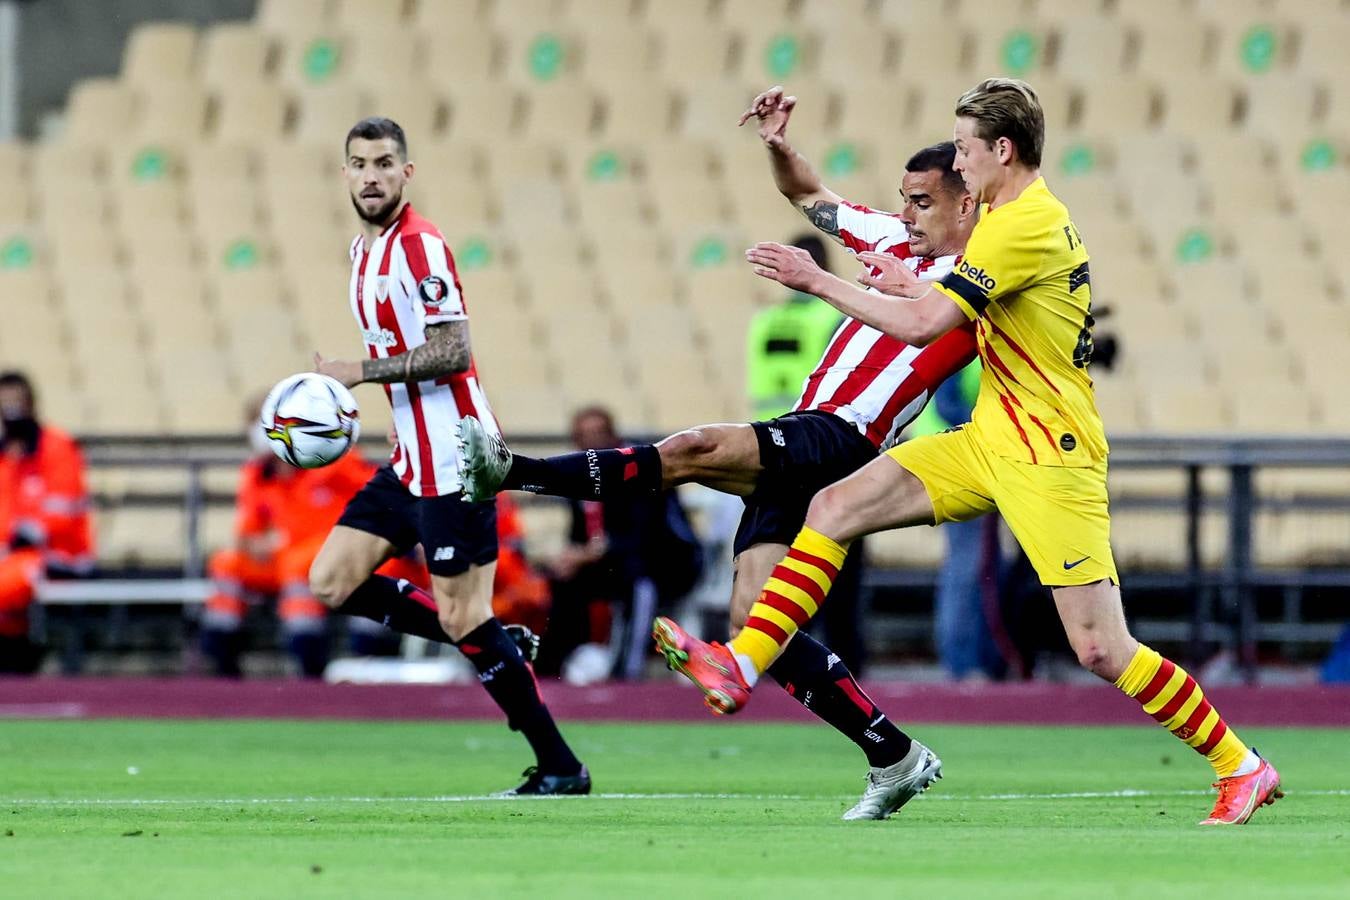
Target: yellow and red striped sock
{"points": [[1175, 700], [790, 598]]}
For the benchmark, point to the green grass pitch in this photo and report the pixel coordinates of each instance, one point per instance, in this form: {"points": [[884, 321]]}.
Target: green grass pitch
{"points": [[288, 809]]}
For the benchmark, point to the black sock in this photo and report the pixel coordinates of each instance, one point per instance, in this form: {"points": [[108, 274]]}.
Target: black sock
{"points": [[397, 604], [818, 680], [589, 474], [506, 676]]}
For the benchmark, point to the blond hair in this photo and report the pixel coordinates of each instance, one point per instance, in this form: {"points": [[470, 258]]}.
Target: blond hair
{"points": [[1006, 108]]}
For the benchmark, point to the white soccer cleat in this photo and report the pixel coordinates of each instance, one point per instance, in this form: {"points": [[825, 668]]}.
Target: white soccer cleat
{"points": [[890, 788], [486, 460]]}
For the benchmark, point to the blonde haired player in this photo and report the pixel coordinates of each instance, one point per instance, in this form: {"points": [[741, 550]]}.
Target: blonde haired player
{"points": [[1035, 449]]}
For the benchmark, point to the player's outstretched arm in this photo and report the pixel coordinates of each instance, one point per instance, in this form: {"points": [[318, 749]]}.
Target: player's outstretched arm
{"points": [[446, 352], [793, 174], [918, 322]]}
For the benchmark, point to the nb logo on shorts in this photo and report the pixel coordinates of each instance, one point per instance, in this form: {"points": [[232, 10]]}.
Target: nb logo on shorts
{"points": [[443, 553], [776, 435]]}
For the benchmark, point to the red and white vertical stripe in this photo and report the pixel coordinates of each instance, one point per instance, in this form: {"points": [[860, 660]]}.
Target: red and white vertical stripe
{"points": [[875, 382], [402, 282]]}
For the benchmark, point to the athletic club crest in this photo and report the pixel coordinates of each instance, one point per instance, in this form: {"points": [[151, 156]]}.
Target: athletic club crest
{"points": [[433, 290]]}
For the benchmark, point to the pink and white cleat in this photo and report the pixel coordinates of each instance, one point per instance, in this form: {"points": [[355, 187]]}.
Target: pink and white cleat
{"points": [[1242, 795], [710, 666]]}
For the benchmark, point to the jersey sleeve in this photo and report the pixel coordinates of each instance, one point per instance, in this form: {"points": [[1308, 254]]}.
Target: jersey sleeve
{"points": [[1002, 257], [862, 229], [434, 281]]}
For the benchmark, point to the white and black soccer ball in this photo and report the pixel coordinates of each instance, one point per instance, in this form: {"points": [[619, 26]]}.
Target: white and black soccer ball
{"points": [[310, 420]]}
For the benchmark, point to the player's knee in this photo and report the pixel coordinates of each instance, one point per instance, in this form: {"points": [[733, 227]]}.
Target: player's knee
{"points": [[327, 583], [1096, 658], [685, 448], [459, 619], [829, 512]]}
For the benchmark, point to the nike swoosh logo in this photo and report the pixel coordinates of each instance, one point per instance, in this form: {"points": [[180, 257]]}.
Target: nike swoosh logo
{"points": [[1070, 565]]}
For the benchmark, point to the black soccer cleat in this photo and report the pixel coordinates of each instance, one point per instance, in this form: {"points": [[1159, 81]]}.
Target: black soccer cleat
{"points": [[538, 784], [526, 641]]}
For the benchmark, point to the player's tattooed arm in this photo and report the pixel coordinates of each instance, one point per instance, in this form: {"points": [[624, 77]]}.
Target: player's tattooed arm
{"points": [[445, 353], [824, 215]]}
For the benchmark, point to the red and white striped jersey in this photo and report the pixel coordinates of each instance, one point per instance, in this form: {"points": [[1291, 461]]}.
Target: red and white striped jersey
{"points": [[874, 382], [404, 281]]}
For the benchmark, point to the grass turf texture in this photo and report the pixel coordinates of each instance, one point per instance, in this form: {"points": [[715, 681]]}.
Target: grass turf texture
{"points": [[254, 809]]}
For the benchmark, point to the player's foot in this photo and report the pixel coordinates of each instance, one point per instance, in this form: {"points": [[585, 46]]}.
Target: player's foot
{"points": [[541, 784], [486, 458], [892, 787], [710, 666], [526, 641], [1242, 795]]}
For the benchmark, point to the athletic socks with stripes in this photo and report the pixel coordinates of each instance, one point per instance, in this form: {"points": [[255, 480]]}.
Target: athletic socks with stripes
{"points": [[819, 680], [508, 679], [396, 604], [589, 474]]}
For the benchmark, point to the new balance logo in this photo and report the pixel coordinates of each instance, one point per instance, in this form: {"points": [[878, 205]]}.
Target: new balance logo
{"points": [[776, 435], [832, 660], [443, 553]]}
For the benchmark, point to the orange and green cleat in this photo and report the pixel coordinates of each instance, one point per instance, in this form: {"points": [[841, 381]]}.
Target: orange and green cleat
{"points": [[1242, 795], [710, 666]]}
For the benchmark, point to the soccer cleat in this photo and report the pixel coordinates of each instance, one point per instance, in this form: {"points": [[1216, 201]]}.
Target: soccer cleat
{"points": [[486, 460], [526, 641], [1242, 795], [710, 666], [892, 787], [540, 784]]}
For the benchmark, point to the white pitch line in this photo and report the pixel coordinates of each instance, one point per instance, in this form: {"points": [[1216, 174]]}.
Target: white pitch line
{"points": [[479, 798]]}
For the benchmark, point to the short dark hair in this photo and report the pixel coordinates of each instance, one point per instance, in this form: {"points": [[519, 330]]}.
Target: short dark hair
{"points": [[374, 128], [15, 378], [813, 245], [939, 156]]}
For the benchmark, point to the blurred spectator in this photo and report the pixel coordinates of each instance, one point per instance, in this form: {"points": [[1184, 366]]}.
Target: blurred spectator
{"points": [[283, 515], [520, 595], [622, 561], [786, 341], [1336, 667], [45, 529], [967, 584]]}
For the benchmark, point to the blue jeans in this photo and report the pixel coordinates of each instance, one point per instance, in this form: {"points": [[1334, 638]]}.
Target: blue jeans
{"points": [[965, 643]]}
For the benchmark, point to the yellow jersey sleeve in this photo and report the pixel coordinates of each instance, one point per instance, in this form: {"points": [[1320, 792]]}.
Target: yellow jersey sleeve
{"points": [[1002, 258]]}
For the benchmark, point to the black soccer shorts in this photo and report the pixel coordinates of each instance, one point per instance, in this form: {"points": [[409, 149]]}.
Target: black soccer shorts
{"points": [[454, 535], [801, 452]]}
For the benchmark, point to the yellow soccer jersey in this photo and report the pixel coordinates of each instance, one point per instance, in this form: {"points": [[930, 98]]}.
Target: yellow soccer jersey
{"points": [[1024, 280]]}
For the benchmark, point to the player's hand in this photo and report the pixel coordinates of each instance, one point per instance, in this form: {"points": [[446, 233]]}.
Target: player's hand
{"points": [[349, 373], [889, 275], [772, 110], [791, 267]]}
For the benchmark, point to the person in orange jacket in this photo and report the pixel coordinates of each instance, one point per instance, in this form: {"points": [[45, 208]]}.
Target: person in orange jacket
{"points": [[283, 515], [45, 528], [519, 593]]}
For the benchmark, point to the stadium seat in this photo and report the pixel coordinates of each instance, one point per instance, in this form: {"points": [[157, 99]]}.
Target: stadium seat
{"points": [[1282, 104], [1117, 400], [159, 52], [1019, 50], [361, 14], [233, 53], [1252, 48], [619, 53], [175, 112], [1199, 106], [441, 17], [289, 17], [1118, 106], [1322, 40], [1168, 42], [562, 112], [1091, 47], [936, 52], [785, 54], [853, 52], [248, 110], [385, 52], [311, 59], [1187, 409], [483, 111], [688, 201], [540, 54], [636, 111], [149, 243], [710, 109], [694, 46], [324, 115], [99, 109], [906, 549]]}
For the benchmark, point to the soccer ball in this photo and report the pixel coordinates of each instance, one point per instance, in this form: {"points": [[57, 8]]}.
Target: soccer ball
{"points": [[310, 420]]}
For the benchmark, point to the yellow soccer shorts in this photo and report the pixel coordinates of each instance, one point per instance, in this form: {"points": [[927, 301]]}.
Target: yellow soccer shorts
{"points": [[1058, 514]]}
